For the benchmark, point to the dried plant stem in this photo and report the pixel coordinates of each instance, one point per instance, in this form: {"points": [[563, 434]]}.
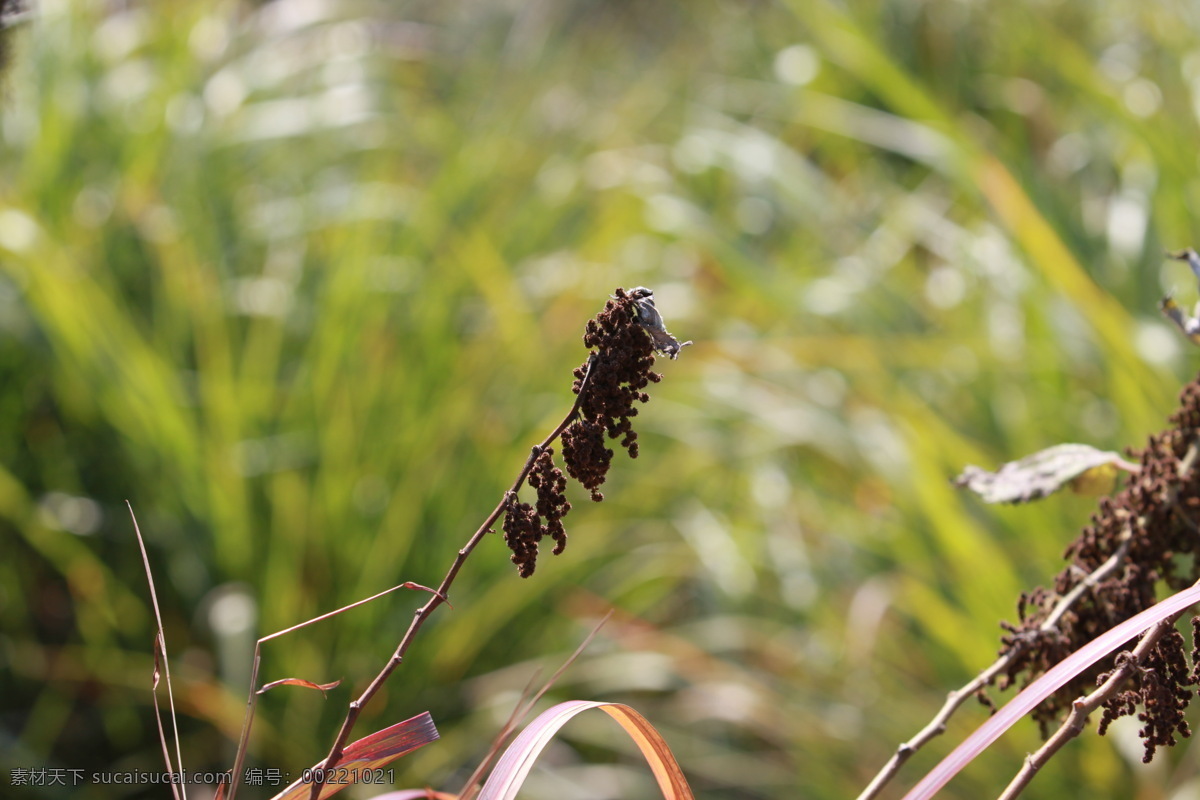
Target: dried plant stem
{"points": [[1084, 706], [239, 759], [1186, 465], [937, 725], [440, 595], [160, 652], [955, 699]]}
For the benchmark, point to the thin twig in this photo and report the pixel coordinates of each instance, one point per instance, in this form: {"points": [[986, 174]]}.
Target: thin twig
{"points": [[439, 597], [937, 725], [160, 647], [248, 721]]}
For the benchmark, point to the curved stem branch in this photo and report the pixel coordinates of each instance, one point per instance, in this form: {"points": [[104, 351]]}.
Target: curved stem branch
{"points": [[440, 596]]}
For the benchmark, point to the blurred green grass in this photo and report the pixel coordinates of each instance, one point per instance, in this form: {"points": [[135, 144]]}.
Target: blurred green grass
{"points": [[304, 281]]}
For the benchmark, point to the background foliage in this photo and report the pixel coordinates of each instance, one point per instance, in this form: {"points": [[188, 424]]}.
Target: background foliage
{"points": [[304, 281]]}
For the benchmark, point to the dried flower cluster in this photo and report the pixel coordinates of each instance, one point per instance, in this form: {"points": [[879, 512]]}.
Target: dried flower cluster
{"points": [[1155, 520], [1157, 687], [623, 339], [525, 525], [622, 355]]}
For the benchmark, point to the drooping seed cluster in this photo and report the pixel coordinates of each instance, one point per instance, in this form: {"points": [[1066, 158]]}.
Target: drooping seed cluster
{"points": [[620, 368], [587, 455], [525, 526], [1157, 686], [1157, 518], [623, 339], [552, 505], [522, 532]]}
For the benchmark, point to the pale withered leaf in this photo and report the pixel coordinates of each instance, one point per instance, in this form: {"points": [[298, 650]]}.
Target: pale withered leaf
{"points": [[1037, 475]]}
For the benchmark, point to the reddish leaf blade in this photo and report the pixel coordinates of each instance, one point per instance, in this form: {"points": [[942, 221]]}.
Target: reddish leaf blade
{"points": [[368, 753]]}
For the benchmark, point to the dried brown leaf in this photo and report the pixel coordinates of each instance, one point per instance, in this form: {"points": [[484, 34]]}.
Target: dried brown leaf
{"points": [[322, 687]]}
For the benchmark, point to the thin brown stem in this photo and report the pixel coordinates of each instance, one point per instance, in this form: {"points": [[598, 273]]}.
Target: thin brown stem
{"points": [[248, 721], [440, 596], [244, 740], [160, 654], [937, 725]]}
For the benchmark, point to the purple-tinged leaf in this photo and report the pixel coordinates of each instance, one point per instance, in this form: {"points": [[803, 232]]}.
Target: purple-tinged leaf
{"points": [[510, 773]]}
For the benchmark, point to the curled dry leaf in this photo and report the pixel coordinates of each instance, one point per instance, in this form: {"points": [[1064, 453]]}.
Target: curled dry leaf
{"points": [[322, 687], [417, 587], [1045, 472]]}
